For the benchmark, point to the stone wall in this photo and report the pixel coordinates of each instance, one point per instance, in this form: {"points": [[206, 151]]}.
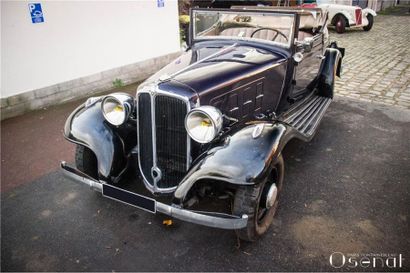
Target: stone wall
{"points": [[81, 87]]}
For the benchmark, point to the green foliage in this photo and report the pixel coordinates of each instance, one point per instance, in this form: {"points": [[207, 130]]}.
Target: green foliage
{"points": [[184, 19], [117, 83], [183, 27]]}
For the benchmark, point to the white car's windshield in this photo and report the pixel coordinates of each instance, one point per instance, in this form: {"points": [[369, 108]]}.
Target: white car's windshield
{"points": [[267, 27]]}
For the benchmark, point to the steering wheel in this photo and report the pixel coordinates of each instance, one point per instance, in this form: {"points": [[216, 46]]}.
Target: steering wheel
{"points": [[278, 32]]}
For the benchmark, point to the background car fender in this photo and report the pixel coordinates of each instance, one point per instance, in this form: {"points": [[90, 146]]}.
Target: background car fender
{"points": [[330, 67], [87, 126], [242, 159], [347, 15], [368, 11]]}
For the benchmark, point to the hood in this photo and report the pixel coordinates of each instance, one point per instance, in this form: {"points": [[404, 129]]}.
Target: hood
{"points": [[206, 67]]}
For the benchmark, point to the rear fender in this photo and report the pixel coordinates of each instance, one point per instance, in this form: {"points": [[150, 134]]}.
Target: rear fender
{"points": [[241, 159], [330, 67], [87, 126]]}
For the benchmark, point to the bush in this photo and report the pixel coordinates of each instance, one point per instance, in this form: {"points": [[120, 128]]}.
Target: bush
{"points": [[184, 27]]}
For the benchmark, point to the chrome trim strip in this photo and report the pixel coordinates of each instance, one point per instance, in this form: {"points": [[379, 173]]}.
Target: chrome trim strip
{"points": [[153, 90], [220, 220], [210, 219], [154, 141], [245, 12]]}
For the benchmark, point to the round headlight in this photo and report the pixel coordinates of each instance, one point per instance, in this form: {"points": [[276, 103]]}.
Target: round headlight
{"points": [[204, 123], [116, 108]]}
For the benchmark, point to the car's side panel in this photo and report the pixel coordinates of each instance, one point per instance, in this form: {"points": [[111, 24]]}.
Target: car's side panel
{"points": [[242, 159], [306, 71], [88, 127], [247, 97]]}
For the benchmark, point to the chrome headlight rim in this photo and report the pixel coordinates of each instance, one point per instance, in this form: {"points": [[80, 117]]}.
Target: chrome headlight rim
{"points": [[125, 101], [213, 114]]}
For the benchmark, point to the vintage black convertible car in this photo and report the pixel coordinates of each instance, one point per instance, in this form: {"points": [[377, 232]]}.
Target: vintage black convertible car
{"points": [[211, 125]]}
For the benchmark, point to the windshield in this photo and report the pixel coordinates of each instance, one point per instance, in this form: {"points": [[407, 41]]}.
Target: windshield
{"points": [[274, 28]]}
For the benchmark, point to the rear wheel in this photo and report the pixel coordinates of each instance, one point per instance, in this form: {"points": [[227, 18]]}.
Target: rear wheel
{"points": [[86, 161], [260, 203], [340, 23], [370, 24]]}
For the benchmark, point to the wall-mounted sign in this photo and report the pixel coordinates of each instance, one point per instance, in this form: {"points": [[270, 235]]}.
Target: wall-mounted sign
{"points": [[36, 13], [160, 3]]}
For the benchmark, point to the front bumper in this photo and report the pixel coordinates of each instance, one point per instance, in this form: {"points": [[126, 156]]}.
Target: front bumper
{"points": [[210, 219]]}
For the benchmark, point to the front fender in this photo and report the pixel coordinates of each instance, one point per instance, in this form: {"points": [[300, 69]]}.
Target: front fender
{"points": [[241, 159], [368, 11], [87, 126], [347, 15]]}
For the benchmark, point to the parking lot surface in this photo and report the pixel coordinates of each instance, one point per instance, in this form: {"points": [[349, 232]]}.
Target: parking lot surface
{"points": [[348, 191]]}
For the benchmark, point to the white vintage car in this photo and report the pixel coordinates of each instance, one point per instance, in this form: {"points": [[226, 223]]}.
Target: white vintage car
{"points": [[343, 16]]}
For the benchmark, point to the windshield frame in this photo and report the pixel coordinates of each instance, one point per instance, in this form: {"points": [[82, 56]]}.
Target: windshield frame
{"points": [[193, 38]]}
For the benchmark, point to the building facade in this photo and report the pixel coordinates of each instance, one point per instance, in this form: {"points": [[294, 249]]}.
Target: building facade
{"points": [[54, 51]]}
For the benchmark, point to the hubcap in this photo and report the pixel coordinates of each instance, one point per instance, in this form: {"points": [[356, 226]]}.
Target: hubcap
{"points": [[271, 196]]}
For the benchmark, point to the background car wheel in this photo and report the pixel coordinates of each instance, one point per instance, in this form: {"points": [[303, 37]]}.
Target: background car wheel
{"points": [[340, 24], [86, 161], [259, 202], [370, 25]]}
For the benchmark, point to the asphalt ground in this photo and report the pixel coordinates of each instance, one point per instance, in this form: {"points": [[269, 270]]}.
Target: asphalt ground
{"points": [[32, 145], [347, 191]]}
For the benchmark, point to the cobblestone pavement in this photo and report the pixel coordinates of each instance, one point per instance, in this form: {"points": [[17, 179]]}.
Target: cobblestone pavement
{"points": [[377, 63]]}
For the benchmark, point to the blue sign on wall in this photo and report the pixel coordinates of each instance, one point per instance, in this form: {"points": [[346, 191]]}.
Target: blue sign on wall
{"points": [[36, 13], [160, 3]]}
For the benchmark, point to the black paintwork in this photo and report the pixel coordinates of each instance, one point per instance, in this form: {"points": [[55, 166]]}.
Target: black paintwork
{"points": [[248, 81], [88, 127], [239, 159], [239, 72], [327, 73]]}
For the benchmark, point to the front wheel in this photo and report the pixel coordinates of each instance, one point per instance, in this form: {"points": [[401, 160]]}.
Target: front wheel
{"points": [[86, 161], [370, 24], [340, 24], [259, 202]]}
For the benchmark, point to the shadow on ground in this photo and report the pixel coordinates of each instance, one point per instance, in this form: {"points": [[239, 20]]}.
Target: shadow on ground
{"points": [[348, 191]]}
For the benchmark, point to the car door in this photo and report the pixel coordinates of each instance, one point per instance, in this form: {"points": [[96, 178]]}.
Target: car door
{"points": [[306, 70]]}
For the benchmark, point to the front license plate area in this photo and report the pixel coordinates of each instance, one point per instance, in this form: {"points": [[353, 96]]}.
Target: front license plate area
{"points": [[129, 198]]}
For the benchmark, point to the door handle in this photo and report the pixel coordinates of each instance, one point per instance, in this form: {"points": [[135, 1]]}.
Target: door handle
{"points": [[320, 57]]}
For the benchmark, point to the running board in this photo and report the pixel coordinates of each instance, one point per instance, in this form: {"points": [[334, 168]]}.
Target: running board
{"points": [[305, 117]]}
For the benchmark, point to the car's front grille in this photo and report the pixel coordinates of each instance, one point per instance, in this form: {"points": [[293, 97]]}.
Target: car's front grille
{"points": [[171, 139], [163, 141], [146, 158]]}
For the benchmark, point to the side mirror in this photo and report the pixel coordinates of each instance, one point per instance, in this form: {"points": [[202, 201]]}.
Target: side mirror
{"points": [[306, 45]]}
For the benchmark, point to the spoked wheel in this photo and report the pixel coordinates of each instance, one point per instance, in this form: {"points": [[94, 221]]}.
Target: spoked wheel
{"points": [[340, 24], [260, 203]]}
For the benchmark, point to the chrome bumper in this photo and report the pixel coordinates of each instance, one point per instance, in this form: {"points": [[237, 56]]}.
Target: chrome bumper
{"points": [[210, 219]]}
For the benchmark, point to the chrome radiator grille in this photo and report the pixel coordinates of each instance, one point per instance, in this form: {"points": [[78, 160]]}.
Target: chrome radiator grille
{"points": [[162, 139]]}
